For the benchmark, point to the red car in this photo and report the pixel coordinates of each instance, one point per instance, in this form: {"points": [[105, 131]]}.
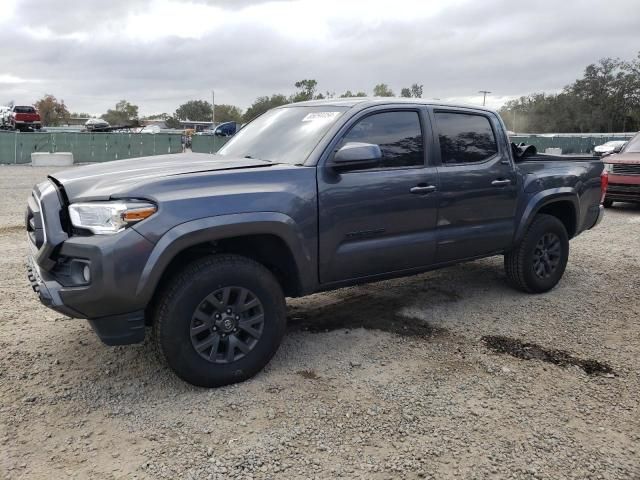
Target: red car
{"points": [[21, 117], [624, 173]]}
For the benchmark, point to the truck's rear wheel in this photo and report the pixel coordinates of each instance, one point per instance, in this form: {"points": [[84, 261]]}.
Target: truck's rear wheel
{"points": [[220, 320], [537, 264]]}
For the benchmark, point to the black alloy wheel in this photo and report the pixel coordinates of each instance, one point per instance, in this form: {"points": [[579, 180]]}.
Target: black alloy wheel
{"points": [[227, 325]]}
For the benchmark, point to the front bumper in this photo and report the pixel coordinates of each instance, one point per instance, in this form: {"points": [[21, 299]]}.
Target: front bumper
{"points": [[123, 329], [108, 300], [620, 189], [48, 290]]}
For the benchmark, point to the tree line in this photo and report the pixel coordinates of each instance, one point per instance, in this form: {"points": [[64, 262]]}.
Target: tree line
{"points": [[54, 112], [605, 99]]}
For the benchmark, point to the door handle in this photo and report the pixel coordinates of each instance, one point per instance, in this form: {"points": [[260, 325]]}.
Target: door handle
{"points": [[423, 189], [501, 183]]}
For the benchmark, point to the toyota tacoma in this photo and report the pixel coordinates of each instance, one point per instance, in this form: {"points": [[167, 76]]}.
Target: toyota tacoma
{"points": [[308, 197]]}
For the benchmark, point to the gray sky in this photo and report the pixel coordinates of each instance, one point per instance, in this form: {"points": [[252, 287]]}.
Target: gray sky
{"points": [[160, 53]]}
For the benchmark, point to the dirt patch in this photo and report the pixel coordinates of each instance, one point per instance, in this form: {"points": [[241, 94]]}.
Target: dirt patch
{"points": [[11, 229], [532, 351], [308, 374], [360, 311]]}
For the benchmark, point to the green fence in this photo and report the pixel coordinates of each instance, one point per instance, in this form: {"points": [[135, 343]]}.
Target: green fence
{"points": [[16, 147], [207, 143], [568, 143]]}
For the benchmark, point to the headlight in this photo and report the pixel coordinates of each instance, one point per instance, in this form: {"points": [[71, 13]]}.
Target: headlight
{"points": [[608, 167], [104, 218]]}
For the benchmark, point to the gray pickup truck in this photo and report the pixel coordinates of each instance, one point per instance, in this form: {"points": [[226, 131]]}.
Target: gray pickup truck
{"points": [[308, 197]]}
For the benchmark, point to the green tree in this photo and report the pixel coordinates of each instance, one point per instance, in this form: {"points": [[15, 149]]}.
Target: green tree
{"points": [[262, 104], [194, 110], [157, 116], [605, 99], [172, 122], [382, 90], [125, 114], [416, 90], [306, 90], [349, 94], [228, 113], [53, 113]]}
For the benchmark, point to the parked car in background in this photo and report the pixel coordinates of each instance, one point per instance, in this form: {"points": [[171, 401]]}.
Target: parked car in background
{"points": [[608, 148], [151, 129], [623, 167], [20, 117], [96, 124], [227, 129], [4, 111]]}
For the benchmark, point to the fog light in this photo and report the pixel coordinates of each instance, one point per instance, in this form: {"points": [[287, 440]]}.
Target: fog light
{"points": [[86, 274]]}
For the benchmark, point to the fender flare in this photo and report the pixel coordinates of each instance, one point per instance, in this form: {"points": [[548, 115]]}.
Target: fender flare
{"points": [[209, 229], [542, 199]]}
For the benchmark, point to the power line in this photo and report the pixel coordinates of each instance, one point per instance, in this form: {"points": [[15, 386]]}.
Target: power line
{"points": [[484, 96]]}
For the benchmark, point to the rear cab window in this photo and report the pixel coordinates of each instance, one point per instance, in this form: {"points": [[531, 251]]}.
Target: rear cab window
{"points": [[24, 109], [465, 137]]}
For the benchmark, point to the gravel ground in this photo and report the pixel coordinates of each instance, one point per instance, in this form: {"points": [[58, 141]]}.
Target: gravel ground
{"points": [[385, 381]]}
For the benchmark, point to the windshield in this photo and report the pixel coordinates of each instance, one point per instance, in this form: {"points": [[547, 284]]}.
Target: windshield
{"points": [[283, 135], [633, 146]]}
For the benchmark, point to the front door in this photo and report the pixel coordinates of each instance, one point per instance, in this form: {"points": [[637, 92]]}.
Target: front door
{"points": [[379, 219], [477, 196]]}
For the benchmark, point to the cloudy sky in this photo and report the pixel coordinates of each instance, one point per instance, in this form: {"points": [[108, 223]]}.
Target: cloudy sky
{"points": [[160, 53]]}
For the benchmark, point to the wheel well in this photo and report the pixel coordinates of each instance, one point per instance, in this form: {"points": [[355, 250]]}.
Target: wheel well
{"points": [[269, 250], [563, 211]]}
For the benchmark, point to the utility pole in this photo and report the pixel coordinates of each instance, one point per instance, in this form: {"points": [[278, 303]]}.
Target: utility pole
{"points": [[213, 108], [484, 96]]}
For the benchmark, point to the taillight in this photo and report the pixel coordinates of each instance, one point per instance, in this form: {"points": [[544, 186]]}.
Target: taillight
{"points": [[604, 183]]}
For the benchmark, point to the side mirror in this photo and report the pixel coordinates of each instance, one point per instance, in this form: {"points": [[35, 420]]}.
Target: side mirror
{"points": [[356, 155], [618, 148]]}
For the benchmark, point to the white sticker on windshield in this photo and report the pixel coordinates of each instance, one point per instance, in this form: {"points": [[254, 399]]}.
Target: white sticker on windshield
{"points": [[315, 116]]}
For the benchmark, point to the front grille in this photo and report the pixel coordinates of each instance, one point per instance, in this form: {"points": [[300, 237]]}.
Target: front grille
{"points": [[622, 191], [626, 168], [34, 223], [623, 188]]}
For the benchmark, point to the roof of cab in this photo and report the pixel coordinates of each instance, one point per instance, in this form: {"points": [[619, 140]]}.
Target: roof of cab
{"points": [[371, 101]]}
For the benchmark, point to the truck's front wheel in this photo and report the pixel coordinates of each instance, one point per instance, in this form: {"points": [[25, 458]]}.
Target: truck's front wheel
{"points": [[220, 320], [537, 264]]}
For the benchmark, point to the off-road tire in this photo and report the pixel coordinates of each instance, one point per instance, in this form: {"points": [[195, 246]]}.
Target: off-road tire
{"points": [[519, 262], [179, 300]]}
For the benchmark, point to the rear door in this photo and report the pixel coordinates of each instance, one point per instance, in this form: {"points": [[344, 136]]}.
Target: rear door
{"points": [[379, 219], [477, 196]]}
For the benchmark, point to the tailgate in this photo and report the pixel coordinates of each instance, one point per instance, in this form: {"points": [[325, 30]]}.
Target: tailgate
{"points": [[27, 117]]}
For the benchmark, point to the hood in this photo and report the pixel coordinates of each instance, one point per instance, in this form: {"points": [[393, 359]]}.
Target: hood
{"points": [[101, 181], [631, 157]]}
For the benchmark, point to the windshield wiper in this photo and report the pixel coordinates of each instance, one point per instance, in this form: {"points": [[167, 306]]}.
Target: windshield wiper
{"points": [[253, 158]]}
